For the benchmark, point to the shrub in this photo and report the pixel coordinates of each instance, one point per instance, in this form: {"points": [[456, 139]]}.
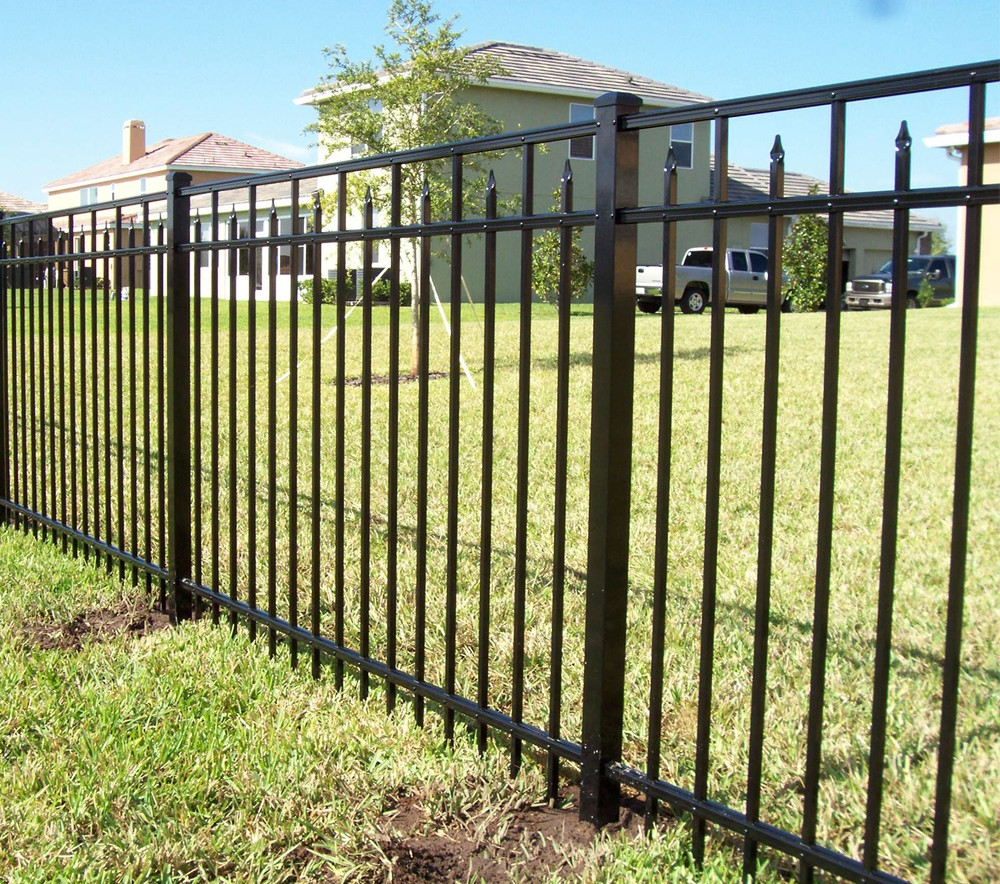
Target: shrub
{"points": [[925, 294], [328, 291], [805, 262], [546, 253], [380, 291]]}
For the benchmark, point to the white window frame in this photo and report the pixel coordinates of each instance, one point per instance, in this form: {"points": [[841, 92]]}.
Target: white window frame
{"points": [[88, 196]]}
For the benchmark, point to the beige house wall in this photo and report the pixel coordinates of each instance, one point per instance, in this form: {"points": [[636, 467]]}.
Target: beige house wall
{"points": [[123, 188], [130, 186], [527, 110], [522, 109], [989, 254]]}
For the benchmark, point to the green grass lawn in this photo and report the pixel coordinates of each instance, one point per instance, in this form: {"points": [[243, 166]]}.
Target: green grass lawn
{"points": [[186, 755], [921, 573]]}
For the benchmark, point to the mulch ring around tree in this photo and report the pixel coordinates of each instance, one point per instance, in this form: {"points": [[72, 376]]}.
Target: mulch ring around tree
{"points": [[127, 618], [383, 379]]}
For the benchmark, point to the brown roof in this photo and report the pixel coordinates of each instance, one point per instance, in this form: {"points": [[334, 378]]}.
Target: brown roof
{"points": [[556, 71], [208, 150], [15, 205], [746, 185], [545, 70]]}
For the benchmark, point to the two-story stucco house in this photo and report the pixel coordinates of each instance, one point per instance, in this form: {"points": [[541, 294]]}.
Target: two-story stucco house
{"points": [[542, 87], [141, 170]]}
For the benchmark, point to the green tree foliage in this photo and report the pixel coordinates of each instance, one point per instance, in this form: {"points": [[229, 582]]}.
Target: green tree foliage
{"points": [[940, 243], [381, 292], [408, 96], [546, 256], [804, 262]]}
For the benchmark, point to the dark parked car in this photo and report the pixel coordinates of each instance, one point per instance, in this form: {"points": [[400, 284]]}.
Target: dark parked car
{"points": [[875, 289]]}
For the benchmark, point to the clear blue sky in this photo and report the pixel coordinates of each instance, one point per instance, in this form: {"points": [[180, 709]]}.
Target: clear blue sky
{"points": [[74, 70]]}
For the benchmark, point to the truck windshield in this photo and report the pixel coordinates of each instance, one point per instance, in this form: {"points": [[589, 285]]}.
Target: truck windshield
{"points": [[914, 264]]}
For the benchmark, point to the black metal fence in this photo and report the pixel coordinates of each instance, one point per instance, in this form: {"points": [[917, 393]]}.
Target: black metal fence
{"points": [[172, 410]]}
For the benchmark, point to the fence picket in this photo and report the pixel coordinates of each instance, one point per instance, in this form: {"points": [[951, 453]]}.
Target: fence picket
{"points": [[71, 471]]}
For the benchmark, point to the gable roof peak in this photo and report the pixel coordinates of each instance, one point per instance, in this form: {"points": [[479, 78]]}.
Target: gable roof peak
{"points": [[206, 150], [538, 69]]}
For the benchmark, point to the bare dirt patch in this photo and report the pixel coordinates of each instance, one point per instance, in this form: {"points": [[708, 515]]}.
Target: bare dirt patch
{"points": [[527, 844], [383, 379], [99, 625]]}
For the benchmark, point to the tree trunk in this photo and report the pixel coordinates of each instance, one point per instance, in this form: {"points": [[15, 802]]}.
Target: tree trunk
{"points": [[415, 307]]}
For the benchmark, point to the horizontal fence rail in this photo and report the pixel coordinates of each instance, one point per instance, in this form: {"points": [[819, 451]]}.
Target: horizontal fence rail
{"points": [[299, 402]]}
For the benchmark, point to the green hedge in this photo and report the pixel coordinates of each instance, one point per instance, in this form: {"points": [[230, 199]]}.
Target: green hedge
{"points": [[380, 292]]}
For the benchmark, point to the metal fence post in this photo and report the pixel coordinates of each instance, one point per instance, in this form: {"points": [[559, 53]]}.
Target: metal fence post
{"points": [[617, 159], [5, 234], [178, 383]]}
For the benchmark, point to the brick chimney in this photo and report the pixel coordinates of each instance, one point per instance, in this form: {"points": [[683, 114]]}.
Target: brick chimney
{"points": [[133, 141]]}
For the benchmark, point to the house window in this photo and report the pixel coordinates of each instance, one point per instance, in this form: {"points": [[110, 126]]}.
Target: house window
{"points": [[376, 221], [359, 149], [205, 235], [244, 255], [88, 196], [682, 141], [581, 148], [285, 252], [306, 252], [142, 186]]}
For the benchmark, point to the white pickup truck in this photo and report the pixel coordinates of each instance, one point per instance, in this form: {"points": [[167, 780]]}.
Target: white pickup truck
{"points": [[746, 281]]}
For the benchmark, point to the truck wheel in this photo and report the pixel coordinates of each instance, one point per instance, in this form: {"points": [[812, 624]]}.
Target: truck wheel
{"points": [[693, 301], [748, 308], [911, 302], [648, 306]]}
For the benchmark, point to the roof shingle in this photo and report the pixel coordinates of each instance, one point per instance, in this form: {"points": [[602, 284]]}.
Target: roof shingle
{"points": [[537, 69], [206, 150], [15, 205], [534, 66], [746, 185]]}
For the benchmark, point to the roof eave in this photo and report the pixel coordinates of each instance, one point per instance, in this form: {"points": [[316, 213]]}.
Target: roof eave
{"points": [[162, 170], [315, 97], [570, 92], [960, 139], [56, 187]]}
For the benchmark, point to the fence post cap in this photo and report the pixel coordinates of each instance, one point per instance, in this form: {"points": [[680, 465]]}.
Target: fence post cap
{"points": [[618, 98], [177, 179]]}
